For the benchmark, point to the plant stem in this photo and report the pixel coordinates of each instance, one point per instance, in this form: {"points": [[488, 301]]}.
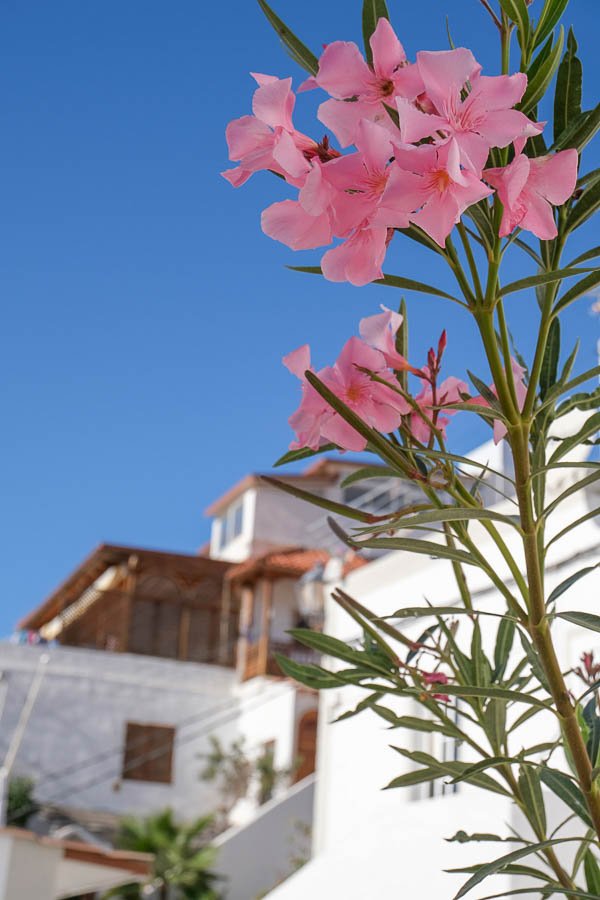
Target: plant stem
{"points": [[539, 626]]}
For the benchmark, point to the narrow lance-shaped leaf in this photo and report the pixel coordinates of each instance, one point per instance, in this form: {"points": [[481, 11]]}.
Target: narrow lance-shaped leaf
{"points": [[550, 360], [566, 584], [297, 50], [580, 132], [583, 619], [549, 18], [504, 642], [396, 281], [591, 871], [339, 508], [304, 453], [533, 800], [372, 12], [587, 205], [591, 427], [566, 789], [567, 98], [540, 78], [498, 865], [543, 278]]}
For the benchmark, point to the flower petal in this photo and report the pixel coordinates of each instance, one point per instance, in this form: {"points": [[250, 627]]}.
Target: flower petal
{"points": [[288, 222]]}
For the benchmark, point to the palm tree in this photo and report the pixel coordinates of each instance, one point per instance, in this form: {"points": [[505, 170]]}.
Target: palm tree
{"points": [[182, 862]]}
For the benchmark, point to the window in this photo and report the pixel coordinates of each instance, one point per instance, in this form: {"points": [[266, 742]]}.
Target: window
{"points": [[148, 753], [231, 524]]}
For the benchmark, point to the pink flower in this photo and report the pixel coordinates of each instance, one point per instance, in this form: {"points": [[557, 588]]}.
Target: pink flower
{"points": [[341, 197], [307, 419], [268, 139], [429, 184], [518, 372], [483, 119], [449, 391], [529, 187], [345, 75], [380, 331], [378, 405]]}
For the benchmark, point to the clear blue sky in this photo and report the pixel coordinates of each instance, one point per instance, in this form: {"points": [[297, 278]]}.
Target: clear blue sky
{"points": [[144, 313]]}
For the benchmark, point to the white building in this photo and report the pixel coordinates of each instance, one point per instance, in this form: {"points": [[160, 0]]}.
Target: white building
{"points": [[372, 843]]}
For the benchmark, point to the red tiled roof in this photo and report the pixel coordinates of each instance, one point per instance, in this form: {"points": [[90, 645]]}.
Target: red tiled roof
{"points": [[289, 562]]}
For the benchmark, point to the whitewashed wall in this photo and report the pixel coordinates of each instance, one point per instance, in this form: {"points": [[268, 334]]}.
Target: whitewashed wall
{"points": [[73, 745]]}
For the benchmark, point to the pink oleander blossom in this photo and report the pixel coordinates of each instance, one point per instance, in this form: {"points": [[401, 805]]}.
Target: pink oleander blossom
{"points": [[343, 196], [483, 119], [359, 91], [379, 331], [429, 183], [267, 139], [518, 373], [528, 188], [434, 406], [378, 405]]}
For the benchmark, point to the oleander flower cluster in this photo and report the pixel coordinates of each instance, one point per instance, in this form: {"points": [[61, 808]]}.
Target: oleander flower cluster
{"points": [[415, 141], [365, 379]]}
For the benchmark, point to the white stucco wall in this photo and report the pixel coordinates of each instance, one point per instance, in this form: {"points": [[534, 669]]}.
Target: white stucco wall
{"points": [[73, 745]]}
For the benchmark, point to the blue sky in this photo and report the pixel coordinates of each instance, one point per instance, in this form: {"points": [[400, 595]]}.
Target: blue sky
{"points": [[145, 314]]}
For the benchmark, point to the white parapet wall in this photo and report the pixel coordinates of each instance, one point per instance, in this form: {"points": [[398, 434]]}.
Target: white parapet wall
{"points": [[255, 858]]}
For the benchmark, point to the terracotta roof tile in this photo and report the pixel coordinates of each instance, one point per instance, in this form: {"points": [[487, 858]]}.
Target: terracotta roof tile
{"points": [[289, 562]]}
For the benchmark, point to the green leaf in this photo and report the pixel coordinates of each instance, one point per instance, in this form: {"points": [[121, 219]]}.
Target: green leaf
{"points": [[330, 646], [580, 132], [369, 472], [411, 778], [590, 428], [583, 619], [452, 768], [390, 281], [549, 368], [495, 720], [587, 205], [479, 215], [592, 872], [297, 50], [490, 762], [531, 792], [566, 584], [461, 837], [504, 642], [589, 254], [462, 690], [539, 78], [498, 865], [339, 508], [372, 12], [420, 237], [535, 280], [585, 400], [411, 545], [310, 675], [567, 99], [517, 11], [450, 514], [304, 453], [549, 18], [567, 791]]}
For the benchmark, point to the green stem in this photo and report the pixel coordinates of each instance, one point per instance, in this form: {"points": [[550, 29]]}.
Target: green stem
{"points": [[471, 261], [539, 627]]}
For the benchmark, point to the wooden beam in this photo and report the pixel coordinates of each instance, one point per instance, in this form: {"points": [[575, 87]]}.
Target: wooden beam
{"points": [[265, 625], [246, 611]]}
